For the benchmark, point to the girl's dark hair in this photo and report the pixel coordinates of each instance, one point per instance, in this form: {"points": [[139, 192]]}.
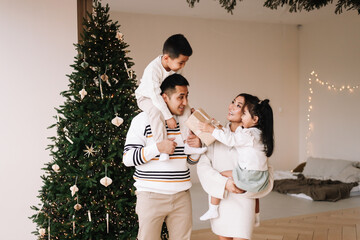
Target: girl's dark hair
{"points": [[264, 112]]}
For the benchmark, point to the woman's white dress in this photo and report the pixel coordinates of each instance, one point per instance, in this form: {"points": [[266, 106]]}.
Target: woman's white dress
{"points": [[236, 211]]}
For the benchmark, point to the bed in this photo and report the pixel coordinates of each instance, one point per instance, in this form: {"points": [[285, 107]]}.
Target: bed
{"points": [[320, 179]]}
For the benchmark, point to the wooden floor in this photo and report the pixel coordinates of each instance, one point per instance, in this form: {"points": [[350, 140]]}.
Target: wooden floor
{"points": [[334, 225]]}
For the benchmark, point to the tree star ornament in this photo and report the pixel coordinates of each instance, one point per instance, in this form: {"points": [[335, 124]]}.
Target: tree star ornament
{"points": [[82, 93], [117, 121], [89, 151], [73, 190], [56, 168], [106, 181]]}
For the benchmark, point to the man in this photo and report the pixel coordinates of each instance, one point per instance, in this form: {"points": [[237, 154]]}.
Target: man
{"points": [[162, 186]]}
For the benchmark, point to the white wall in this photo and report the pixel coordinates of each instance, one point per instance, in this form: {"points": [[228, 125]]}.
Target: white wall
{"points": [[229, 58], [35, 53], [331, 48]]}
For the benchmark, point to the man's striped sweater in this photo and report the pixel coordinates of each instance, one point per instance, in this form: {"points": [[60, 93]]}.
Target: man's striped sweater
{"points": [[167, 177]]}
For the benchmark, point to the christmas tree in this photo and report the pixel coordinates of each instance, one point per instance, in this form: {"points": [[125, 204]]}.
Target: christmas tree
{"points": [[87, 192]]}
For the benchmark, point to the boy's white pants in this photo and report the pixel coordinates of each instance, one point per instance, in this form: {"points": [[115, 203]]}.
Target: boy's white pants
{"points": [[157, 120]]}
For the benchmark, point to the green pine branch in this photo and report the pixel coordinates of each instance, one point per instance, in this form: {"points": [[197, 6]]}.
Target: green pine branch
{"points": [[294, 5]]}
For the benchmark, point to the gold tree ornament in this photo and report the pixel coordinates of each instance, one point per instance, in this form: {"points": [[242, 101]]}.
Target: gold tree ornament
{"points": [[105, 78], [77, 207]]}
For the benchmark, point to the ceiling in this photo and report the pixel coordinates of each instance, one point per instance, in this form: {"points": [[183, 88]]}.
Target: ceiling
{"points": [[246, 10]]}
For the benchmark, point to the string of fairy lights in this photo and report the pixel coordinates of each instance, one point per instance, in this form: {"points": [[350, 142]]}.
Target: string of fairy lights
{"points": [[314, 79]]}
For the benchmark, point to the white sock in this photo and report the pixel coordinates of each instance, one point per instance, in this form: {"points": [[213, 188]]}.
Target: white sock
{"points": [[164, 157], [191, 150], [213, 212], [257, 220]]}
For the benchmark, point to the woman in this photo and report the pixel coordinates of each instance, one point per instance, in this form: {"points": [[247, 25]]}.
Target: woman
{"points": [[237, 208]]}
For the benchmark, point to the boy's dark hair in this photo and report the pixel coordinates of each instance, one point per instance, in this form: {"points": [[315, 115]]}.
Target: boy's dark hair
{"points": [[169, 84], [175, 45], [264, 112]]}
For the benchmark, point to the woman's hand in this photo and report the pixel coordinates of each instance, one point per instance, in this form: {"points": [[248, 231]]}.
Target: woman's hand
{"points": [[206, 127], [231, 187]]}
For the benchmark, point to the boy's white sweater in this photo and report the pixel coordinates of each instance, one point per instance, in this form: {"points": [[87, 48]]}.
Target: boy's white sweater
{"points": [[154, 75]]}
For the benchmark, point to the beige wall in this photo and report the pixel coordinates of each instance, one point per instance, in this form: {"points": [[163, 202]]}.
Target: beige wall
{"points": [[229, 58], [331, 48], [35, 53]]}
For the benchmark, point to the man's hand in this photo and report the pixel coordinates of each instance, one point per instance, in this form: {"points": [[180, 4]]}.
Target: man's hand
{"points": [[171, 123], [206, 127], [193, 141], [167, 146], [231, 187]]}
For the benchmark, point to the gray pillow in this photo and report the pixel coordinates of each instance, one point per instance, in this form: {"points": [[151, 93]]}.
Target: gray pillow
{"points": [[324, 168], [349, 174]]}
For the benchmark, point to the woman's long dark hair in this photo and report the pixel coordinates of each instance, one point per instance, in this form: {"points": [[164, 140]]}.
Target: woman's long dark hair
{"points": [[263, 111]]}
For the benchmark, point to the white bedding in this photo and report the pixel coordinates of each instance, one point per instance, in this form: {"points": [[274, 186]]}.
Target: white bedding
{"points": [[278, 175]]}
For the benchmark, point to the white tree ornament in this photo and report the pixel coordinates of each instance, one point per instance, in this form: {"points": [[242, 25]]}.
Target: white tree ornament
{"points": [[106, 181], [117, 121], [74, 189], [56, 168], [42, 231], [82, 93], [120, 36]]}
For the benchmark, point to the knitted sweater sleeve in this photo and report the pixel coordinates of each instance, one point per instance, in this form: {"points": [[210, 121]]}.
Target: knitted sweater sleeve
{"points": [[136, 150]]}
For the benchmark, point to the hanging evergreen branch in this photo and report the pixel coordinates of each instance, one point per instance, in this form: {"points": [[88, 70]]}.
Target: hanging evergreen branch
{"points": [[295, 5], [229, 5]]}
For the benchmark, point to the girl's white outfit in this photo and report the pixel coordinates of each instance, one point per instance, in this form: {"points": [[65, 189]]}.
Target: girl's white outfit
{"points": [[236, 211], [250, 173]]}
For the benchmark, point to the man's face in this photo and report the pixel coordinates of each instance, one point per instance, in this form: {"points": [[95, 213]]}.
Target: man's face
{"points": [[177, 101]]}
